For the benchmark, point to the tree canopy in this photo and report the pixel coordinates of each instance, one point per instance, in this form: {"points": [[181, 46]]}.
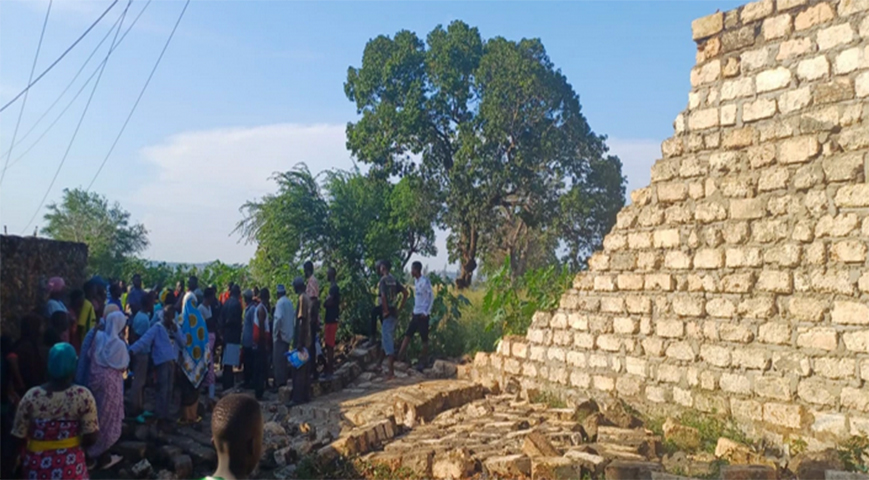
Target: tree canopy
{"points": [[106, 229], [342, 219], [496, 133]]}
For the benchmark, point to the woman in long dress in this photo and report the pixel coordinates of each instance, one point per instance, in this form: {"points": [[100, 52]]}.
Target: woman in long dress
{"points": [[109, 359], [55, 421]]}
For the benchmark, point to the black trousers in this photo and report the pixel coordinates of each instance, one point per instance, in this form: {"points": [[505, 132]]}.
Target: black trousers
{"points": [[249, 365], [261, 372], [228, 378], [302, 383]]}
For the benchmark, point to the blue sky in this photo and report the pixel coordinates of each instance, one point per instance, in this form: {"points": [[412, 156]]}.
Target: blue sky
{"points": [[249, 88]]}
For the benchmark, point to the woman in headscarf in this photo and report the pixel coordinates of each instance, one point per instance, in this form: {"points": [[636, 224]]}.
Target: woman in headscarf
{"points": [[109, 359], [56, 420]]}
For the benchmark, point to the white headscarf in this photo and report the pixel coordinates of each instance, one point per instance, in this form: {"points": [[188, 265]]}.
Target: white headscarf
{"points": [[109, 350]]}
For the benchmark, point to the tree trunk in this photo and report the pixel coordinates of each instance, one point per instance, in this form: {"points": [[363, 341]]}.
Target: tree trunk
{"points": [[468, 254]]}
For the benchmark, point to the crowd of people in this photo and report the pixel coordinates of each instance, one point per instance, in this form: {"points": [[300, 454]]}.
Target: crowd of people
{"points": [[80, 368]]}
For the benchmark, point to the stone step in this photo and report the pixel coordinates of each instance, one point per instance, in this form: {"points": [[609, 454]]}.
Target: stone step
{"points": [[197, 451]]}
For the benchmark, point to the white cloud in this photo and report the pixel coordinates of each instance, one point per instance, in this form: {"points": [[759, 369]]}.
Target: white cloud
{"points": [[637, 156], [190, 206]]}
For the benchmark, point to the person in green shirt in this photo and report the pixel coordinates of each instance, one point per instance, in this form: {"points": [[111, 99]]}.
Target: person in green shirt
{"points": [[237, 433]]}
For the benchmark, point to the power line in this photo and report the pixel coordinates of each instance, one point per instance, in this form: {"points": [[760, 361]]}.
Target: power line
{"points": [[144, 87], [80, 120], [80, 90], [30, 84], [24, 102], [69, 85]]}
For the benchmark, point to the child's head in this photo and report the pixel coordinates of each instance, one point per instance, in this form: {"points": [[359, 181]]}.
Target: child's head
{"points": [[237, 432]]}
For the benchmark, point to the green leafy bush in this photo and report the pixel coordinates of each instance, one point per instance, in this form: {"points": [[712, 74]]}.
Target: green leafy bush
{"points": [[511, 301]]}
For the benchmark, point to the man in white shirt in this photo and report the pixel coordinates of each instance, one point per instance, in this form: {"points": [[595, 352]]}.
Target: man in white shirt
{"points": [[285, 316], [423, 298]]}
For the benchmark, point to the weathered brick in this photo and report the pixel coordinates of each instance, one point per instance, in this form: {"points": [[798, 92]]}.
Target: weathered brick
{"points": [[861, 82], [688, 306], [850, 313], [630, 281], [737, 88], [707, 26], [703, 119], [850, 60], [849, 7], [853, 195], [855, 398], [776, 333], [737, 39], [817, 391], [794, 48], [681, 351], [720, 308], [751, 358], [610, 343], [798, 150], [843, 167], [815, 15], [738, 138], [708, 258], [743, 257], [583, 340], [746, 410], [773, 387], [849, 251], [794, 100], [774, 281], [734, 332], [839, 226], [737, 283], [715, 355], [836, 91], [783, 415], [835, 367], [813, 68], [666, 238], [580, 379], [735, 383], [677, 260], [832, 281], [821, 338], [772, 79], [834, 36], [758, 110], [749, 208], [807, 309], [777, 27], [659, 281], [605, 384]]}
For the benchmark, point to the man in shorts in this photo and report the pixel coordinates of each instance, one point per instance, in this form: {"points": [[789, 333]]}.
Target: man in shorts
{"points": [[388, 290], [333, 311], [423, 297]]}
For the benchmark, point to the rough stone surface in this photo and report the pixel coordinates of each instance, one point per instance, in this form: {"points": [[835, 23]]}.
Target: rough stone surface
{"points": [[744, 288]]}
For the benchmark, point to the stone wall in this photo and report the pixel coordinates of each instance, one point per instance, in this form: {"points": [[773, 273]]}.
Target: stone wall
{"points": [[737, 282], [26, 264]]}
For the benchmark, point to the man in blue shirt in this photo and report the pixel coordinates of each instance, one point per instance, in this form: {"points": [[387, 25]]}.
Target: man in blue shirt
{"points": [[134, 298], [163, 354]]}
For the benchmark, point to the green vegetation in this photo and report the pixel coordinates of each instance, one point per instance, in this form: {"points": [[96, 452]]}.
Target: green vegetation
{"points": [[854, 453], [711, 428], [511, 300], [89, 218], [496, 133], [549, 398]]}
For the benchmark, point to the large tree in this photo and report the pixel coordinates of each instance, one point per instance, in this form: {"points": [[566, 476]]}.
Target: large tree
{"points": [[106, 229], [496, 131]]}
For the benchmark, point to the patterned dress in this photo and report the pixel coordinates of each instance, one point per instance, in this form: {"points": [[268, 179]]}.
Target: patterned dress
{"points": [[52, 416], [107, 385]]}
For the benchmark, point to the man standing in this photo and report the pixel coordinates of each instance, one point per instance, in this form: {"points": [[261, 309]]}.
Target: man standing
{"points": [[232, 326], [422, 303], [388, 290], [248, 352], [302, 341], [312, 289], [139, 364], [134, 298], [333, 311], [285, 318]]}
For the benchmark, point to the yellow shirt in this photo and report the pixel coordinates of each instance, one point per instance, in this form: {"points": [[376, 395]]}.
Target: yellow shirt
{"points": [[87, 317]]}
